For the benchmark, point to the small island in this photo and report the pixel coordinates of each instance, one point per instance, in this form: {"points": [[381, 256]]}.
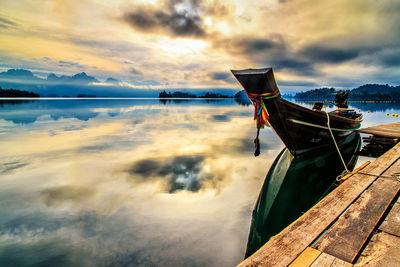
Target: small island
{"points": [[164, 94], [178, 94], [16, 93]]}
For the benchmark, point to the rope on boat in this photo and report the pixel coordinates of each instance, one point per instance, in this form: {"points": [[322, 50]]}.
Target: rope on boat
{"points": [[322, 127], [269, 95], [346, 171]]}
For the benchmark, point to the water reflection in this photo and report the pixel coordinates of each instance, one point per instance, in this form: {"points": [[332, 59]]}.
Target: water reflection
{"points": [[127, 182], [180, 172], [295, 184], [130, 182]]}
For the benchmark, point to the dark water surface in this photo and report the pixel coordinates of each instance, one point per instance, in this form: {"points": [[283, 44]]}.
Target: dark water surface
{"points": [[134, 182]]}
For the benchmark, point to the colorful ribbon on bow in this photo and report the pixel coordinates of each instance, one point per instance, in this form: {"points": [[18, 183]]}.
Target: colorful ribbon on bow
{"points": [[261, 116], [260, 113]]}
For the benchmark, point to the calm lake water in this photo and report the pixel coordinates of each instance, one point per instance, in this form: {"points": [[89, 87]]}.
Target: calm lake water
{"points": [[133, 182]]}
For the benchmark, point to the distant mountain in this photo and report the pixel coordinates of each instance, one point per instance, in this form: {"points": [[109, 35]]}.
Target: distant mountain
{"points": [[79, 84], [81, 78], [363, 92], [52, 77], [83, 85], [112, 80], [18, 74]]}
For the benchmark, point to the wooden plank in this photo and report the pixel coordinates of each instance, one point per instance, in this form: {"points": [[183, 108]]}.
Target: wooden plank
{"points": [[391, 224], [382, 250], [330, 261], [306, 258], [383, 132], [378, 166], [294, 239], [387, 130], [347, 176], [395, 125], [348, 235]]}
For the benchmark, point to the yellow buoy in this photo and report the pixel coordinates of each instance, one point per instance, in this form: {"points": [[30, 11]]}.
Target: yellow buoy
{"points": [[387, 114], [368, 111]]}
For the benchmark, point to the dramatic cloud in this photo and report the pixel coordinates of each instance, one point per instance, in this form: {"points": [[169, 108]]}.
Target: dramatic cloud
{"points": [[316, 44], [386, 57], [260, 45], [221, 76], [6, 23], [145, 168], [9, 167], [328, 55], [61, 194], [179, 18]]}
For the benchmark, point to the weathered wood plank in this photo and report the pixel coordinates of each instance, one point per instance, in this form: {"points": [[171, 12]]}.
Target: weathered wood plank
{"points": [[382, 250], [391, 224], [347, 176], [385, 133], [329, 261], [306, 258], [394, 125], [387, 130], [282, 249], [348, 235], [378, 166]]}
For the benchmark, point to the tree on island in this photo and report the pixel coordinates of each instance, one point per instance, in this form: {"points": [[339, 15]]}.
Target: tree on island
{"points": [[214, 95], [178, 94], [164, 94], [16, 93], [379, 92]]}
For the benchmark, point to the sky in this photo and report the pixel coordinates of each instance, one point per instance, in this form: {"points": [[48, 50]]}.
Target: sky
{"points": [[195, 43]]}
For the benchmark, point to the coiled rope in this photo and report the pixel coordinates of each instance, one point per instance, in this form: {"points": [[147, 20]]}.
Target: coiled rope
{"points": [[346, 170]]}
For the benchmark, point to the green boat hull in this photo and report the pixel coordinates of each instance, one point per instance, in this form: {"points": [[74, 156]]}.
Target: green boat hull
{"points": [[296, 183]]}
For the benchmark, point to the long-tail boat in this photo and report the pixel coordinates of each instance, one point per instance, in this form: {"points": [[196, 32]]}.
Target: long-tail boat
{"points": [[301, 129]]}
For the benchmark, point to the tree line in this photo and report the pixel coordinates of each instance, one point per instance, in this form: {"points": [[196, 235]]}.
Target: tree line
{"points": [[178, 94], [380, 92], [16, 93]]}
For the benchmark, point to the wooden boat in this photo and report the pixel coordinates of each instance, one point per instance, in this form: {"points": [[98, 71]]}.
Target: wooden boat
{"points": [[300, 128], [294, 184]]}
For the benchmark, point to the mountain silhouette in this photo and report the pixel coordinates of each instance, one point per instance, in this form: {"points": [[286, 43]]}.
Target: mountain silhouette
{"points": [[82, 78]]}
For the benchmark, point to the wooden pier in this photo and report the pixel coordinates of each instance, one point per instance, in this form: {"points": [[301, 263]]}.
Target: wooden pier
{"points": [[381, 139], [356, 224], [391, 130]]}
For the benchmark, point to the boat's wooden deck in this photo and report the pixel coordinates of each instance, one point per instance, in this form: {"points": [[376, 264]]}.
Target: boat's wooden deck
{"points": [[355, 224]]}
